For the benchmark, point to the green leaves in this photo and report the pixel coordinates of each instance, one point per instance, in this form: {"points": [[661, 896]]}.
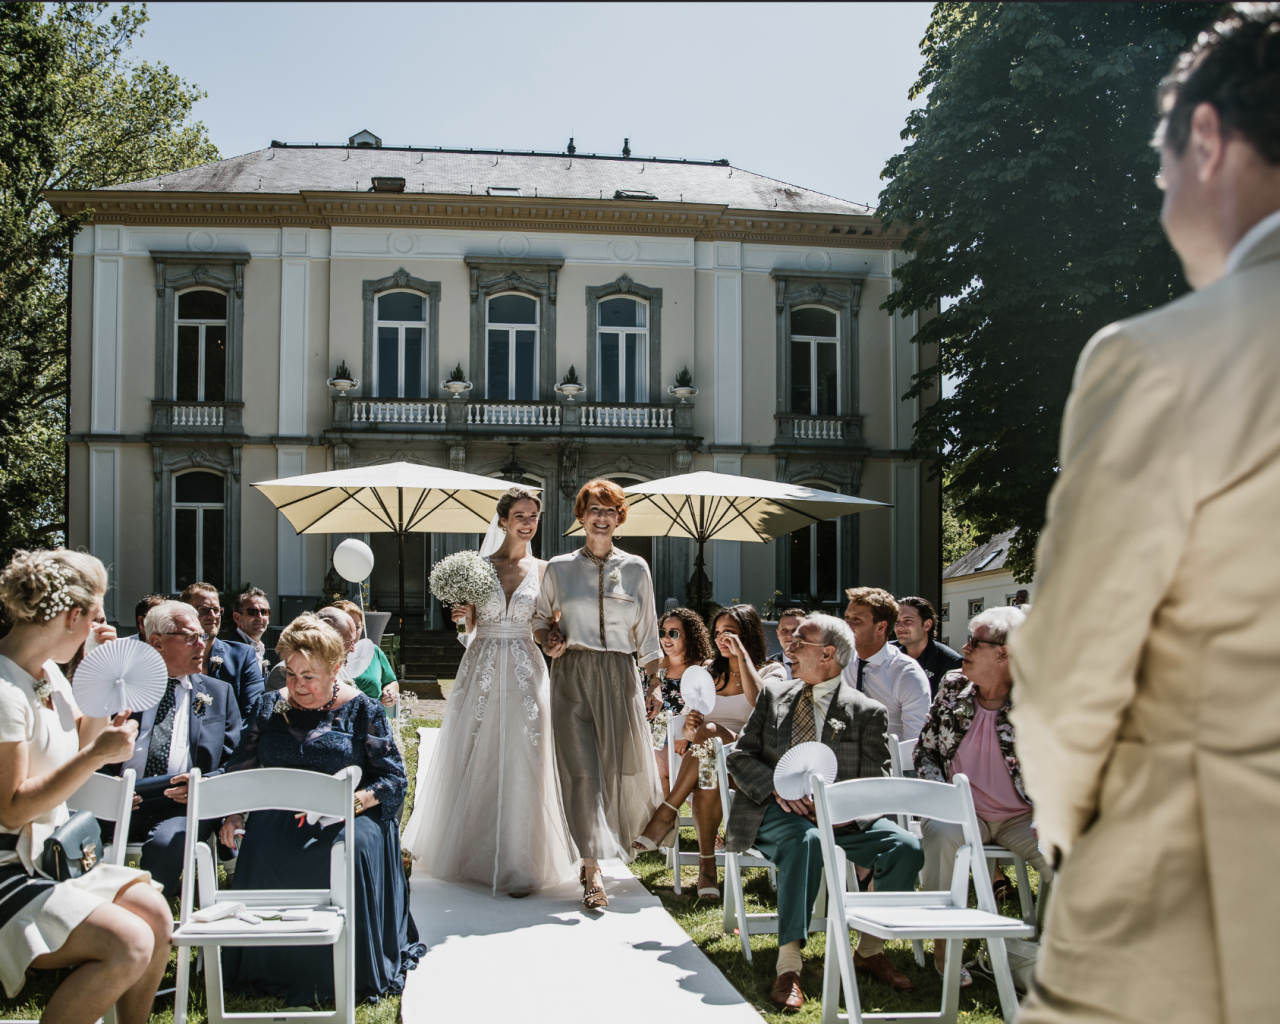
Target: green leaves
{"points": [[1027, 187]]}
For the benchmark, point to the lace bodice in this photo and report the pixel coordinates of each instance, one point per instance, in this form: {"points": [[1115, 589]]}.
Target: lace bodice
{"points": [[520, 610]]}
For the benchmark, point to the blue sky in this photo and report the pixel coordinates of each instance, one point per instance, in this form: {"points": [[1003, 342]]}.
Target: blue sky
{"points": [[812, 94]]}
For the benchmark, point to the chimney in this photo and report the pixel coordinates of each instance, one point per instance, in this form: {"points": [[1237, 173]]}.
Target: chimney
{"points": [[572, 148], [626, 148]]}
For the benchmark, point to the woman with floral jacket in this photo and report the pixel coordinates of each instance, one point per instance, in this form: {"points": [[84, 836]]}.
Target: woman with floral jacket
{"points": [[968, 731]]}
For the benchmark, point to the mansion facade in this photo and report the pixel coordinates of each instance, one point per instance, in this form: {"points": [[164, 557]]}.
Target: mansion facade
{"points": [[305, 308]]}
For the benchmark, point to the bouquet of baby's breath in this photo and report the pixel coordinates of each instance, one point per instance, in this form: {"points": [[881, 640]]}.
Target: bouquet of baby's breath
{"points": [[464, 578]]}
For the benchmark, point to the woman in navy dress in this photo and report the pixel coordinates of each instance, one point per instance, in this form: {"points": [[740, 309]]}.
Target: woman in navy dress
{"points": [[321, 724]]}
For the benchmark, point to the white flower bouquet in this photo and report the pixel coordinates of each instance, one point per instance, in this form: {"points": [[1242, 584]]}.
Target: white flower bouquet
{"points": [[705, 752], [661, 725], [464, 578]]}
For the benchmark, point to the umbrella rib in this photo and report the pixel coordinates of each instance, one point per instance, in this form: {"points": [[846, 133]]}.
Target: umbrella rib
{"points": [[672, 518], [390, 520], [732, 511], [349, 496], [413, 513], [444, 496]]}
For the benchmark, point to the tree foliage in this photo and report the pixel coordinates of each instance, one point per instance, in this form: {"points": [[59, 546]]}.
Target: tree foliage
{"points": [[1028, 188], [74, 113]]}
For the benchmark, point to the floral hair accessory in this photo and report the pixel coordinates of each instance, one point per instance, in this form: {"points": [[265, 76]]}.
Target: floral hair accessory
{"points": [[56, 600]]}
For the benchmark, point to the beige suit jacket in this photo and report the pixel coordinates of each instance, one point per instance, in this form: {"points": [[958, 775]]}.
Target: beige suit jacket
{"points": [[1147, 699]]}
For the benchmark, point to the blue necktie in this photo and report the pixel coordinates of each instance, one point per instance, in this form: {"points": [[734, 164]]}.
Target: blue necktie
{"points": [[161, 734]]}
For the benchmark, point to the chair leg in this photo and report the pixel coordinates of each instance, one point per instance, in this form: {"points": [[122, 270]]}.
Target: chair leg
{"points": [[840, 947], [673, 861], [182, 982], [215, 1005], [951, 981], [740, 908], [110, 1016], [918, 947], [1024, 891], [1004, 979]]}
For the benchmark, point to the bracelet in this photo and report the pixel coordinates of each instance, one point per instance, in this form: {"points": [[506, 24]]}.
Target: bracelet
{"points": [[359, 804]]}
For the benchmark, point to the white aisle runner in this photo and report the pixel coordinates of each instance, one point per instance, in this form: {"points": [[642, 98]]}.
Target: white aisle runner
{"points": [[545, 958]]}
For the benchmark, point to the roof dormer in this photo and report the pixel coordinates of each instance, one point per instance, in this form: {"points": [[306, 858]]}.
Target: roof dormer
{"points": [[365, 140]]}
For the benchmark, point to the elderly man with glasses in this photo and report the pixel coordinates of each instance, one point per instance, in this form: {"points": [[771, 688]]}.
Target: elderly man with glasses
{"points": [[195, 725], [968, 731]]}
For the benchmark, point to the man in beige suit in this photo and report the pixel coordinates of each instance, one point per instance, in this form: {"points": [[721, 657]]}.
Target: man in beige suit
{"points": [[1147, 693]]}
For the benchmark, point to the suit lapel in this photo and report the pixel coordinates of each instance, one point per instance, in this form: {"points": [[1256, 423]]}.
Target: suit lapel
{"points": [[840, 709], [193, 732]]}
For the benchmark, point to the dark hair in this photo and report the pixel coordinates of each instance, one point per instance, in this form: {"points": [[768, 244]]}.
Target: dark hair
{"points": [[1235, 66], [697, 641], [748, 621], [792, 613], [924, 606], [146, 604], [248, 595], [513, 495]]}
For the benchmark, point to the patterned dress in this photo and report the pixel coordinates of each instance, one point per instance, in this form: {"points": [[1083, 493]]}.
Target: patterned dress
{"points": [[489, 808]]}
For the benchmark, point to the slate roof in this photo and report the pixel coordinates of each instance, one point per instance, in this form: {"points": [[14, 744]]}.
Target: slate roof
{"points": [[979, 559], [293, 169]]}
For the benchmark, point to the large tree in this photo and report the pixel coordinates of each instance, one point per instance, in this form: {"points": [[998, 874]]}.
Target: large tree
{"points": [[74, 113], [1028, 186]]}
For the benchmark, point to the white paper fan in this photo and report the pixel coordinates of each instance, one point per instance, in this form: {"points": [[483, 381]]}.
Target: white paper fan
{"points": [[121, 675], [698, 690], [791, 775], [361, 658]]}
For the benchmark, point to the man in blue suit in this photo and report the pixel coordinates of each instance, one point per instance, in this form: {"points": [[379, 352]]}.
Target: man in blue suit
{"points": [[231, 662], [195, 725]]}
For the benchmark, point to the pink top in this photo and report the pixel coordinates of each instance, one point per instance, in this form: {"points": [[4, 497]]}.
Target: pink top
{"points": [[995, 797]]}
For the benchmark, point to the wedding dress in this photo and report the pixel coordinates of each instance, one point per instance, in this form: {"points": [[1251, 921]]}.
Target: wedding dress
{"points": [[489, 810]]}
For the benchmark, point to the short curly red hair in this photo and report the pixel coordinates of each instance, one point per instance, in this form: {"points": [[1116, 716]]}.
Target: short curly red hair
{"points": [[601, 492]]}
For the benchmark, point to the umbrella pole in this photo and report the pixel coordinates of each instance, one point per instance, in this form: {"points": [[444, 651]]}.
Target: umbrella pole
{"points": [[698, 574], [400, 535]]}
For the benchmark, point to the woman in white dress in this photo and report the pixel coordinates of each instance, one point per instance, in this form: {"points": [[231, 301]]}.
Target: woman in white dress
{"points": [[112, 929], [489, 810]]}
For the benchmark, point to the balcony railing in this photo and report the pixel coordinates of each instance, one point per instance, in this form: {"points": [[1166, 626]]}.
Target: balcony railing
{"points": [[169, 417], [799, 429], [458, 416]]}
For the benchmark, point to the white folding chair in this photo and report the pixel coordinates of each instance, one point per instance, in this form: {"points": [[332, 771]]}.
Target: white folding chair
{"points": [[993, 852], [735, 900], [111, 799], [331, 910], [675, 858], [909, 915]]}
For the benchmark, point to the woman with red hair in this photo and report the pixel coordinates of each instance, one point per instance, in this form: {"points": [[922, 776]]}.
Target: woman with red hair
{"points": [[604, 747]]}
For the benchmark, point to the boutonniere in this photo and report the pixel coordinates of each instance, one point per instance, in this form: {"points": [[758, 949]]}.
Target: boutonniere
{"points": [[837, 727], [615, 576], [215, 662], [281, 707], [44, 692], [203, 700]]}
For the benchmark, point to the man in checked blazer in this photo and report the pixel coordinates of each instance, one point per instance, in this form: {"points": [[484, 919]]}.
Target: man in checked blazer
{"points": [[816, 705]]}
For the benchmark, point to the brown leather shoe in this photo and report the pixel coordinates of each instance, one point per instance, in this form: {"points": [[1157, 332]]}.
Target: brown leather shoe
{"points": [[878, 967], [786, 994]]}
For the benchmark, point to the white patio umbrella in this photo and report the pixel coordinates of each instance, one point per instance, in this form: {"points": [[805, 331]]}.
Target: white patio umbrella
{"points": [[716, 506], [397, 497]]}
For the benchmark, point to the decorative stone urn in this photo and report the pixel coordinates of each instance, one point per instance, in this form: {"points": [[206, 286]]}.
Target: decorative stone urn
{"points": [[683, 393], [569, 390], [456, 387]]}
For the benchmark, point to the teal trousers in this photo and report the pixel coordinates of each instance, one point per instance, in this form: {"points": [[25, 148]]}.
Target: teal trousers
{"points": [[795, 847]]}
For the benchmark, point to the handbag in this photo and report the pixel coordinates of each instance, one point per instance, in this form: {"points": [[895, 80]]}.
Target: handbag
{"points": [[74, 848]]}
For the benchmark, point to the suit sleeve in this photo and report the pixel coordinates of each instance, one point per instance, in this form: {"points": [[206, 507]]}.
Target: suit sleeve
{"points": [[644, 634], [914, 692], [231, 733], [1116, 525], [751, 775], [251, 685], [875, 743]]}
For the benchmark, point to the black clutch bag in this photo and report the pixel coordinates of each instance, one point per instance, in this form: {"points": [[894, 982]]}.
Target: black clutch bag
{"points": [[76, 847]]}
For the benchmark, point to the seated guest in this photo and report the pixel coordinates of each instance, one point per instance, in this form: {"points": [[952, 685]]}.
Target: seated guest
{"points": [[140, 613], [880, 670], [196, 724], [231, 662], [379, 679], [740, 669], [321, 724], [252, 616], [787, 623], [968, 731], [100, 633], [816, 705], [684, 640], [914, 630]]}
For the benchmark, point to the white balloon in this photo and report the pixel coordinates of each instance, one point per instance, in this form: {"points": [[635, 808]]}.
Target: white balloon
{"points": [[354, 560], [361, 658]]}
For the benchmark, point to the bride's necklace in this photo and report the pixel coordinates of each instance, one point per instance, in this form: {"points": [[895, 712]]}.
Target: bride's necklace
{"points": [[299, 707]]}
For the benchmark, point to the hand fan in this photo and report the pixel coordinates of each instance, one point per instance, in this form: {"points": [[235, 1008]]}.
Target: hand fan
{"points": [[121, 675], [361, 658], [791, 775], [698, 690]]}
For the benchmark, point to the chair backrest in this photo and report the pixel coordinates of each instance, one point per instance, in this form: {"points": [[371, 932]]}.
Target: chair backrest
{"points": [[906, 754], [111, 799], [895, 758], [274, 789], [722, 777]]}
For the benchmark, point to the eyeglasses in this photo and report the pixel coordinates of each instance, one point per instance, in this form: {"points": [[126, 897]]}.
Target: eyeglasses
{"points": [[972, 641], [670, 634], [797, 641], [257, 613], [193, 639]]}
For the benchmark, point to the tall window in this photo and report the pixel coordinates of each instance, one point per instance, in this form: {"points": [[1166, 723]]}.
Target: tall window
{"points": [[815, 559], [624, 350], [400, 368], [202, 347], [512, 330], [815, 361], [199, 529]]}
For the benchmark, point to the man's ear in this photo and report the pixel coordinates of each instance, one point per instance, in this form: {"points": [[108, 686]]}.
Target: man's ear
{"points": [[1207, 144]]}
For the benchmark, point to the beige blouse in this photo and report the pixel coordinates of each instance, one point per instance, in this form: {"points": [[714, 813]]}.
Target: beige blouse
{"points": [[607, 608]]}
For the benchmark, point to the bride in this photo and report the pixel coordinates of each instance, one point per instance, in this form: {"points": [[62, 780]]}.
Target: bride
{"points": [[490, 810]]}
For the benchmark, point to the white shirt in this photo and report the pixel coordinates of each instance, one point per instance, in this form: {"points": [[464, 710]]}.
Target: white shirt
{"points": [[1252, 237], [786, 664], [897, 681], [179, 739]]}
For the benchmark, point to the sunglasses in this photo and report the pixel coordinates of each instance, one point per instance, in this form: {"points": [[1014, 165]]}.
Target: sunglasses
{"points": [[671, 634]]}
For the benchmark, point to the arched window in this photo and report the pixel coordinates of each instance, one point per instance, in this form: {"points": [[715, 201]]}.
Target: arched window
{"points": [[511, 327], [202, 346], [815, 361], [623, 337], [401, 328], [199, 529], [815, 558]]}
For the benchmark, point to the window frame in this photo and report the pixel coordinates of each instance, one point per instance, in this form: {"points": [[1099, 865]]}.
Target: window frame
{"points": [[812, 529], [625, 287], [533, 328], [642, 356], [424, 325], [533, 276], [179, 323], [200, 508], [813, 342], [840, 292], [401, 280]]}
